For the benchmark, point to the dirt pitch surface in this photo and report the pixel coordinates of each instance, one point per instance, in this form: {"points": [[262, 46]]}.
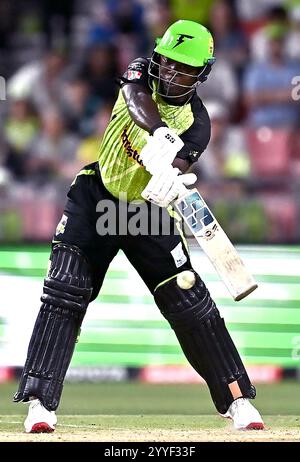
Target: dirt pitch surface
{"points": [[151, 429]]}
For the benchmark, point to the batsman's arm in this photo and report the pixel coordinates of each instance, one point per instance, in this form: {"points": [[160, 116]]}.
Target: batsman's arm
{"points": [[145, 114], [141, 107]]}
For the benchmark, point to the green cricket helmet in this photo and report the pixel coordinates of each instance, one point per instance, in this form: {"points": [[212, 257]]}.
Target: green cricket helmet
{"points": [[186, 42]]}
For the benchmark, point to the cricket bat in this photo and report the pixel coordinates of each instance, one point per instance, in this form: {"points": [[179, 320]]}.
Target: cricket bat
{"points": [[215, 243]]}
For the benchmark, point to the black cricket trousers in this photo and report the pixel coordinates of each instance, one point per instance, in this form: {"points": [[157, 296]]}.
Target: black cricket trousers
{"points": [[158, 252]]}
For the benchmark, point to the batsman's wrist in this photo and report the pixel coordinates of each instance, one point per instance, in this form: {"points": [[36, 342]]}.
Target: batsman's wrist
{"points": [[156, 126]]}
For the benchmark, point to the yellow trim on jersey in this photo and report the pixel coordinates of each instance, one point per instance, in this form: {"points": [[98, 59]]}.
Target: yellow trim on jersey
{"points": [[83, 172], [164, 282], [178, 220]]}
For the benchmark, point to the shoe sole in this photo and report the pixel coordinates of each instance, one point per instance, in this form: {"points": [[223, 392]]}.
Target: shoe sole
{"points": [[41, 427], [255, 426], [251, 426]]}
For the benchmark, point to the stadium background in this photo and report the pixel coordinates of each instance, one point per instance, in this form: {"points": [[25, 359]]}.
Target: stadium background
{"points": [[58, 64]]}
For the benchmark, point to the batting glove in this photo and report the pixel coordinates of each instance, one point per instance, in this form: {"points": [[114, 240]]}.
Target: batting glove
{"points": [[160, 150], [166, 186]]}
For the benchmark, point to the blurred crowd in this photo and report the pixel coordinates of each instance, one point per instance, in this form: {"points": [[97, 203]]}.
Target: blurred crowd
{"points": [[59, 61]]}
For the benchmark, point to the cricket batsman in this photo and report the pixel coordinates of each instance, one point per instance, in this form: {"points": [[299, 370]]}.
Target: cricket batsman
{"points": [[158, 128]]}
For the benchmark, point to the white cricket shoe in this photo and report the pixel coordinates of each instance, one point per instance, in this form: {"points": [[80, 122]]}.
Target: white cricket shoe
{"points": [[39, 419], [244, 415]]}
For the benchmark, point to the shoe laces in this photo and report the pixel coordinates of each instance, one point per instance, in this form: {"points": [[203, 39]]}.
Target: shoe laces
{"points": [[35, 403], [238, 403]]}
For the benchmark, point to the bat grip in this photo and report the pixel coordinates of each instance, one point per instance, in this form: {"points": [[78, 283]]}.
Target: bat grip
{"points": [[182, 191]]}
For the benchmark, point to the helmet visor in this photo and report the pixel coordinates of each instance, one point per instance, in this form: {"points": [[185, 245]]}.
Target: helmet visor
{"points": [[174, 79]]}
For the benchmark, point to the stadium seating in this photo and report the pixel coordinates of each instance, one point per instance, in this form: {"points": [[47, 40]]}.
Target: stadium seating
{"points": [[269, 151], [295, 160], [281, 213]]}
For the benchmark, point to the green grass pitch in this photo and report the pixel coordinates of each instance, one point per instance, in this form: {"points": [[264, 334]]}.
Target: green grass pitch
{"points": [[144, 412]]}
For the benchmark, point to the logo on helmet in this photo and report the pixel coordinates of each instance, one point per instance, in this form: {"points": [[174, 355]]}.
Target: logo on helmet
{"points": [[181, 38], [211, 46]]}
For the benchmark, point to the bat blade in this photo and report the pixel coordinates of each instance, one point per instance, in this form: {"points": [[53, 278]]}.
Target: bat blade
{"points": [[216, 244]]}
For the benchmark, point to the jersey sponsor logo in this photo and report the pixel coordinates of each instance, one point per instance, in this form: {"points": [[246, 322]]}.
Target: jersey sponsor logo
{"points": [[132, 153], [193, 153], [134, 75], [60, 229], [136, 67], [182, 38]]}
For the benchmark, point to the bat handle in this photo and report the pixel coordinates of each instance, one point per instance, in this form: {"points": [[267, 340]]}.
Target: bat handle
{"points": [[182, 191]]}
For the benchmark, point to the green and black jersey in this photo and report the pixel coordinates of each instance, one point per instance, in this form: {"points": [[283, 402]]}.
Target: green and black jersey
{"points": [[121, 168]]}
